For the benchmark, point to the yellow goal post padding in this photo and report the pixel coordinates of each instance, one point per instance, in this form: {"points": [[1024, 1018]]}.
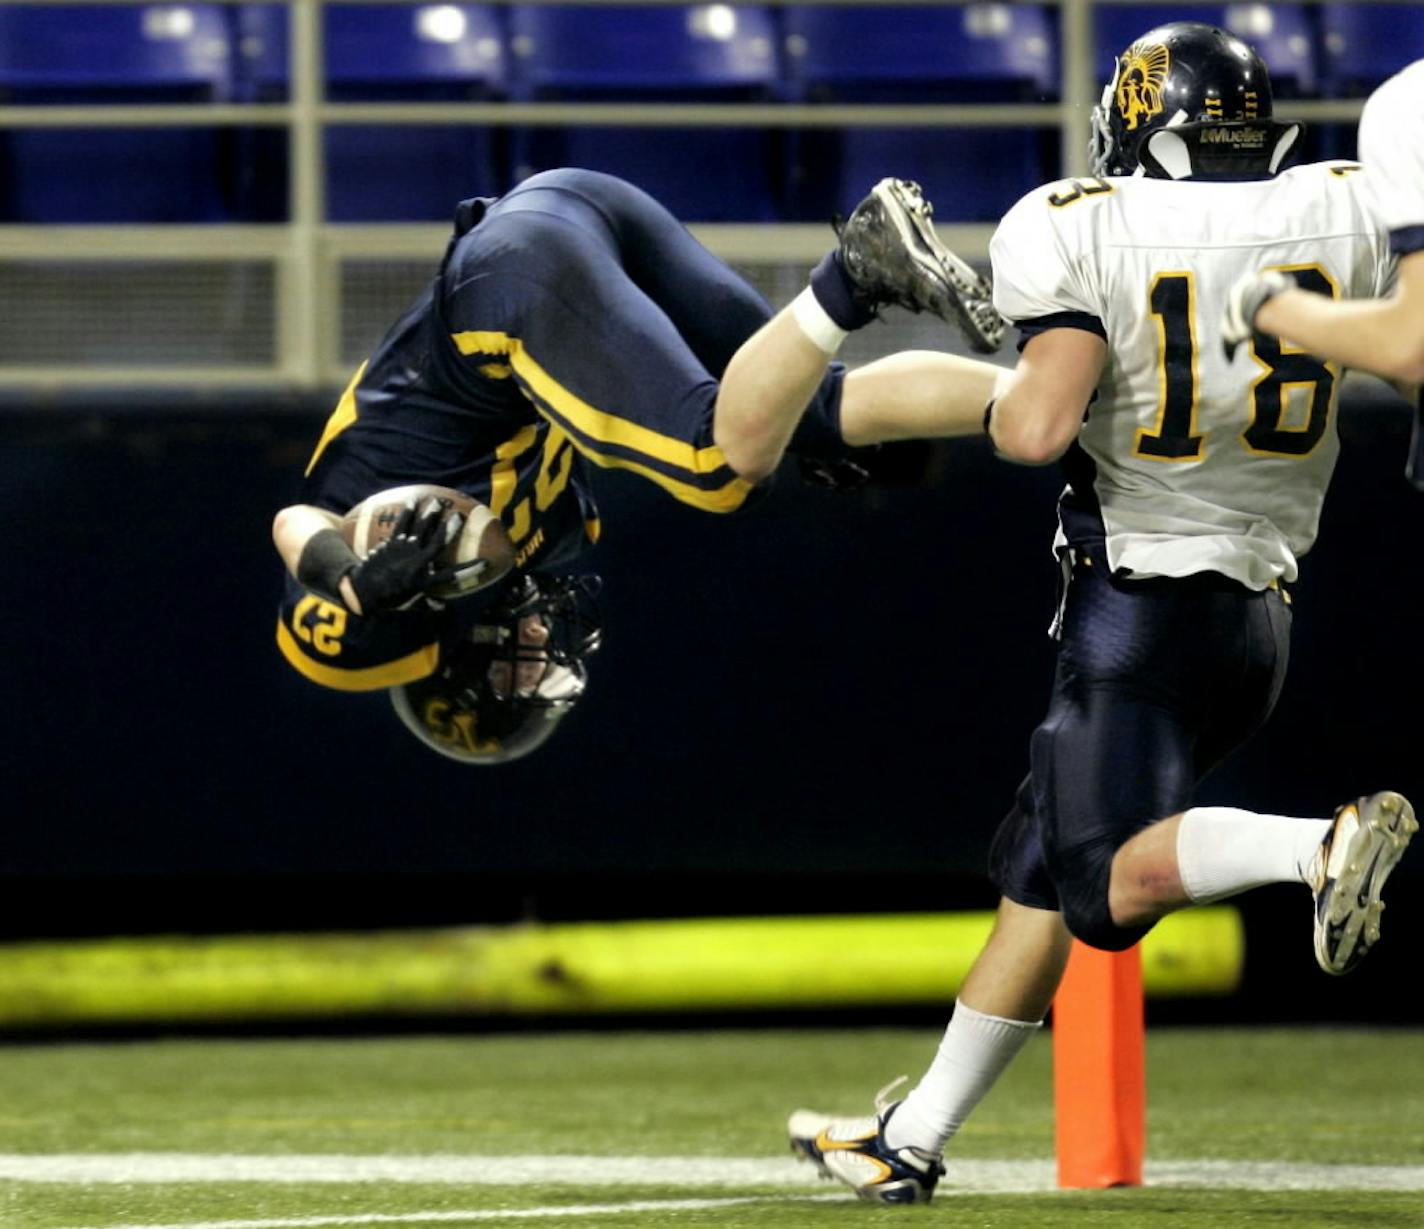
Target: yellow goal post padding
{"points": [[533, 969]]}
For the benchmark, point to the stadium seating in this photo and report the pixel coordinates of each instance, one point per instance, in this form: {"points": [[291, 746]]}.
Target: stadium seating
{"points": [[1363, 44], [388, 53], [905, 54], [879, 53], [703, 53], [1282, 34], [113, 54], [873, 53]]}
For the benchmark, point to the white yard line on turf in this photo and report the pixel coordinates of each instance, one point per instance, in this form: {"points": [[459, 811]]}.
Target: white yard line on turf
{"points": [[723, 1173], [429, 1218]]}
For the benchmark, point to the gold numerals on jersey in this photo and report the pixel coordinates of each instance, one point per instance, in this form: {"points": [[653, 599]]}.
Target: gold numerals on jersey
{"points": [[319, 623], [1290, 400], [555, 466], [1078, 189]]}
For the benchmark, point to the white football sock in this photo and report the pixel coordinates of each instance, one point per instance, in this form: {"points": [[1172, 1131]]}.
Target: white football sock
{"points": [[1222, 850], [824, 333], [975, 1051]]}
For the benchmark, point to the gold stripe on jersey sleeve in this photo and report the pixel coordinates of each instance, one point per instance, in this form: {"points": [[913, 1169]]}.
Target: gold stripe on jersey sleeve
{"points": [[341, 418], [726, 498], [606, 428], [405, 669]]}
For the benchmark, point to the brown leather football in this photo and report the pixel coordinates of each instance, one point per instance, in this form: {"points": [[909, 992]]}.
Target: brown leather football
{"points": [[371, 522]]}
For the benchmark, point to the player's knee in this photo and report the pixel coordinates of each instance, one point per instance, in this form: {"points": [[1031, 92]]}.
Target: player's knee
{"points": [[1083, 881], [1096, 928]]}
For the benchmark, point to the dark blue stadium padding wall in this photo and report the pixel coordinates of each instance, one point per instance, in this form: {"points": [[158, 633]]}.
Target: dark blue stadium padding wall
{"points": [[821, 706]]}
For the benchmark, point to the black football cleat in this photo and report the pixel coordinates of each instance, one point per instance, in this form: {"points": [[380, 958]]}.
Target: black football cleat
{"points": [[890, 249]]}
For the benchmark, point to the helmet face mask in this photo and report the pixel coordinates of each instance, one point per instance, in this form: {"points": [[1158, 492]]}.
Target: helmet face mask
{"points": [[501, 693], [1189, 100]]}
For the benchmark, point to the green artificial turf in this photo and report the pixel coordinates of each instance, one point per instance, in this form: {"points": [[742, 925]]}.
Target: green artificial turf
{"points": [[1307, 1098]]}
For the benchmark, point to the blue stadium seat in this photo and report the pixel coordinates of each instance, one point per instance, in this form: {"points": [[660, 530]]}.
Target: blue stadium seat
{"points": [[619, 51], [919, 54], [702, 53], [1282, 34], [114, 54], [1363, 44], [380, 51], [990, 52], [123, 53], [387, 53]]}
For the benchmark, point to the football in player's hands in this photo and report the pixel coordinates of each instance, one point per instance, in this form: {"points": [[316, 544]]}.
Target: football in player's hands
{"points": [[446, 544]]}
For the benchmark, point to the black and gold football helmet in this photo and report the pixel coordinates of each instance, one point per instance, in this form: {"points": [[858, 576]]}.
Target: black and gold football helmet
{"points": [[502, 691], [1190, 101]]}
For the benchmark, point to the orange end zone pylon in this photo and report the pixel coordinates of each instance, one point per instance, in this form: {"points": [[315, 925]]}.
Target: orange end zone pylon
{"points": [[1099, 1069]]}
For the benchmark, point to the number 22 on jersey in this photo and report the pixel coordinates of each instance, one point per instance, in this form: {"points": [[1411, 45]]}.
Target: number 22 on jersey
{"points": [[1289, 377]]}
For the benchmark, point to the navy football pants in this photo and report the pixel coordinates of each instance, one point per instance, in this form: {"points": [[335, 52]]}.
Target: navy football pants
{"points": [[631, 318], [1157, 681]]}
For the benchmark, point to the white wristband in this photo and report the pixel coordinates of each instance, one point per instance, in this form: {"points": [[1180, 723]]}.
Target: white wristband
{"points": [[823, 332]]}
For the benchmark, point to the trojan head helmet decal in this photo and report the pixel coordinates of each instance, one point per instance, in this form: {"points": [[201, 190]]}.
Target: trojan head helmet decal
{"points": [[1142, 74]]}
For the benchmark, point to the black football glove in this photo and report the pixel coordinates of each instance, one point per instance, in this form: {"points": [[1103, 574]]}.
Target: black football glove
{"points": [[400, 571]]}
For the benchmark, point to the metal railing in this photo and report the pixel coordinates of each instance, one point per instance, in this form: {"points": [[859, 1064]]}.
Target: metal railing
{"points": [[307, 258]]}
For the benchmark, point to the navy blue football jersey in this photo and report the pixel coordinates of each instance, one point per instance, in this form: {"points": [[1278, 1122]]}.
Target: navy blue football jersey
{"points": [[574, 323]]}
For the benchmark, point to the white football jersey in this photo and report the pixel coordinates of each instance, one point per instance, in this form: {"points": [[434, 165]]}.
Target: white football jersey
{"points": [[1199, 463], [1392, 146]]}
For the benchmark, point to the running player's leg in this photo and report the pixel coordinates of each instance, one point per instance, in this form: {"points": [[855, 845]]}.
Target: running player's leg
{"points": [[896, 1153], [1001, 1004], [1246, 640], [1105, 762], [1214, 852], [1139, 664]]}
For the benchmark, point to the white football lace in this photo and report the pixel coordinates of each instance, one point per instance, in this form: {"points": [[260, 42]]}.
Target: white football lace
{"points": [[882, 1098]]}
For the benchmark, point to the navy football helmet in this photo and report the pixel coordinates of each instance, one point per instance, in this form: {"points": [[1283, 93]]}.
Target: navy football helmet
{"points": [[503, 690], [1189, 100]]}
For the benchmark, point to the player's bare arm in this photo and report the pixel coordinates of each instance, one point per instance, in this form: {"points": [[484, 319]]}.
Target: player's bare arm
{"points": [[1040, 411], [392, 576], [293, 528]]}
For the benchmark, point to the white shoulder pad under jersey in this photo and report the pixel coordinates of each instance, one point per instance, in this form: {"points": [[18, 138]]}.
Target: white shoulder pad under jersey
{"points": [[1392, 148], [1195, 462]]}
